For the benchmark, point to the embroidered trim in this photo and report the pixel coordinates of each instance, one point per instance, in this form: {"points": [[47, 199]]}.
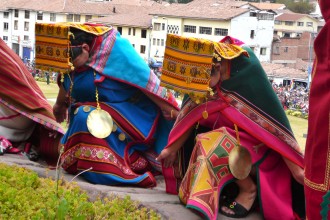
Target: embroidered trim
{"points": [[92, 153]]}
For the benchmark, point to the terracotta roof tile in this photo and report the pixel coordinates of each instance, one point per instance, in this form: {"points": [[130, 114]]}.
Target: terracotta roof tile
{"points": [[280, 71], [268, 6], [291, 17], [201, 11], [134, 17], [76, 6]]}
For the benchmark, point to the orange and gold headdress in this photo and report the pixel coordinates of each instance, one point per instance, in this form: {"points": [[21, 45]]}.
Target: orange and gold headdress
{"points": [[52, 44], [188, 62]]}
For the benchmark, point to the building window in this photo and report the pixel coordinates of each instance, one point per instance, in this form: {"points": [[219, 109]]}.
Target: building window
{"points": [[253, 14], [143, 49], [5, 38], [220, 32], [276, 49], [163, 26], [173, 29], [133, 45], [285, 34], [52, 17], [6, 14], [286, 49], [133, 31], [156, 27], [309, 24], [263, 51], [120, 30], [15, 25], [143, 33], [289, 23], [205, 30], [158, 42], [26, 26], [88, 17], [77, 18], [27, 14], [69, 17], [129, 31], [300, 24], [278, 22], [189, 29], [263, 16], [162, 42], [252, 34], [154, 41], [26, 37], [40, 16], [16, 13], [5, 26]]}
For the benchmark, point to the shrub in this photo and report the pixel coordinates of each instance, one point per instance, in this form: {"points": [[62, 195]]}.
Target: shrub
{"points": [[23, 195]]}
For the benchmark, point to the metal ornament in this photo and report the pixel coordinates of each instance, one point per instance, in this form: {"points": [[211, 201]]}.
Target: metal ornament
{"points": [[240, 162], [99, 123], [205, 114]]}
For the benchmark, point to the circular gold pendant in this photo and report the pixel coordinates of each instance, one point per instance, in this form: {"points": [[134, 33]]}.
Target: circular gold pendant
{"points": [[240, 162], [99, 123]]}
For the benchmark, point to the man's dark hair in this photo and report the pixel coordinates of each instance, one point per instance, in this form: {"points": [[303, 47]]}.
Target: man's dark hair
{"points": [[77, 38]]}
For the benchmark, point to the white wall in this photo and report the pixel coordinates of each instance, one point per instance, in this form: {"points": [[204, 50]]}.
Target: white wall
{"points": [[241, 27]]}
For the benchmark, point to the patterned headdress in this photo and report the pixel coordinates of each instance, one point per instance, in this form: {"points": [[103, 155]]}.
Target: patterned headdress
{"points": [[52, 44], [188, 63]]}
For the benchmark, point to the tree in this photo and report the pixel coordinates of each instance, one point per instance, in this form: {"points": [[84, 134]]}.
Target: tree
{"points": [[302, 7]]}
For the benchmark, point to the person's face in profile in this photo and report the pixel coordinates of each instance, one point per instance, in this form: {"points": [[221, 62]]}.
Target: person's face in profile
{"points": [[79, 54], [215, 74]]}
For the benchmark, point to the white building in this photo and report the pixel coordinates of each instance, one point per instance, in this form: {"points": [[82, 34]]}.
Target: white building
{"points": [[143, 23], [214, 21]]}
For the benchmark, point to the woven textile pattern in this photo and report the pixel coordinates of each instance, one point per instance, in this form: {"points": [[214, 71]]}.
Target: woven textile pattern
{"points": [[52, 44], [188, 62]]}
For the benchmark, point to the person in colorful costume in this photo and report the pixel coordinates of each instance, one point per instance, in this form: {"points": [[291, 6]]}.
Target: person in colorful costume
{"points": [[27, 123], [245, 111], [111, 78], [317, 159]]}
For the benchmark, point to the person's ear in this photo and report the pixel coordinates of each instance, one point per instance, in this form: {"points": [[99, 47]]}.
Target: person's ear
{"points": [[85, 47]]}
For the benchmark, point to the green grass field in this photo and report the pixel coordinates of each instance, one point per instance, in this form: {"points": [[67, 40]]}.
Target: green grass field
{"points": [[298, 125]]}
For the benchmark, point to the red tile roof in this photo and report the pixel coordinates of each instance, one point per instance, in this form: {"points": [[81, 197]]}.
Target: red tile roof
{"points": [[267, 6], [280, 71], [291, 17]]}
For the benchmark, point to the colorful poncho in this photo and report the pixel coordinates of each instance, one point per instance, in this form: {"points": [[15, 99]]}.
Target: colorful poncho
{"points": [[245, 98], [20, 92]]}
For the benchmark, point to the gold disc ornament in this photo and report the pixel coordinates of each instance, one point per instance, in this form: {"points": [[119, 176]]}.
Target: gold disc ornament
{"points": [[240, 162], [99, 123]]}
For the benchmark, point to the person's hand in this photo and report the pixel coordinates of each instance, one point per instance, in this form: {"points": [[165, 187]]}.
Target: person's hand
{"points": [[60, 112], [168, 157], [296, 171], [173, 114]]}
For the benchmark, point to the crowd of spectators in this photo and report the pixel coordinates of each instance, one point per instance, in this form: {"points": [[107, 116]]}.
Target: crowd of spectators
{"points": [[294, 96]]}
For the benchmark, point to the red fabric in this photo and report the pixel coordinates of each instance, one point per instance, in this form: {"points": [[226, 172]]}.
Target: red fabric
{"points": [[20, 92], [317, 153], [18, 87]]}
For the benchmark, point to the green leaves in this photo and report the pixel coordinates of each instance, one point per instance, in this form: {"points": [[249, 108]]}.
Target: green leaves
{"points": [[23, 195]]}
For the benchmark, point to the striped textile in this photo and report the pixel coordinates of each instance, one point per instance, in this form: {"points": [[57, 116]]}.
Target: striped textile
{"points": [[188, 62], [20, 92], [52, 44]]}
